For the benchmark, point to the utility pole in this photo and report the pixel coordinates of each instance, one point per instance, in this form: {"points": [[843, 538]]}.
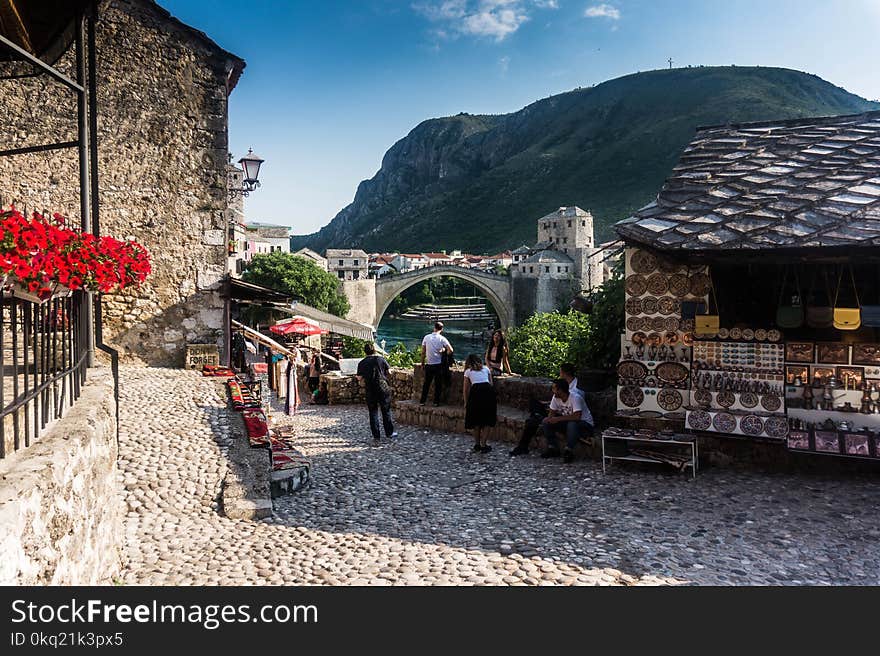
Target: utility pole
{"points": [[670, 63]]}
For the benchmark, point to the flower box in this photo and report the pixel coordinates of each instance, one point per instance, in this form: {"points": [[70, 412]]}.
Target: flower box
{"points": [[15, 289]]}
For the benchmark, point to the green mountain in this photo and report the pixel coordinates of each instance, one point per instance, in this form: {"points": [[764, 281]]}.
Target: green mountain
{"points": [[480, 183]]}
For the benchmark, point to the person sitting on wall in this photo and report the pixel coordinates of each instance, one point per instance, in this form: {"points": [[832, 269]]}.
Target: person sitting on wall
{"points": [[321, 396], [538, 410], [569, 415]]}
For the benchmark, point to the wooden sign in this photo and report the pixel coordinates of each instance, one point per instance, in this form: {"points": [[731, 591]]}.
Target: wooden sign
{"points": [[198, 355]]}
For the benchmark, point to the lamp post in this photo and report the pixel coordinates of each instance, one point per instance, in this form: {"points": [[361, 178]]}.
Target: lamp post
{"points": [[250, 164]]}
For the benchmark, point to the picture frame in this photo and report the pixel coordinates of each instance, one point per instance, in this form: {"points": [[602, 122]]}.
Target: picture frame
{"points": [[857, 444], [832, 353], [792, 373], [866, 354], [855, 376], [799, 352], [822, 373], [827, 441]]}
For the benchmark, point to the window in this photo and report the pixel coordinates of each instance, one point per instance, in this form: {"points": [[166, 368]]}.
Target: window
{"points": [[565, 240], [566, 269], [357, 262], [584, 224], [341, 262], [546, 269], [554, 225], [342, 275], [569, 224], [558, 269], [531, 269]]}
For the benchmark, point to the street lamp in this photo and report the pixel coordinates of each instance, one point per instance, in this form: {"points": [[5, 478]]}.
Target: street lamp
{"points": [[250, 164]]}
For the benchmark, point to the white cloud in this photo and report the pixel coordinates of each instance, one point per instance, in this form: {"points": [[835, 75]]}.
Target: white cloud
{"points": [[603, 11], [495, 19], [504, 63]]}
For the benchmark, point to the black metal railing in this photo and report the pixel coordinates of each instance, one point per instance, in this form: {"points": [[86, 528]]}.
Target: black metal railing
{"points": [[44, 355]]}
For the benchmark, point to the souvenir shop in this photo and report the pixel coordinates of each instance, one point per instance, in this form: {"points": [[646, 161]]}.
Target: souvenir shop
{"points": [[783, 350]]}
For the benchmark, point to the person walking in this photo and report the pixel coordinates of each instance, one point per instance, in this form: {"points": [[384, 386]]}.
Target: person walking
{"points": [[497, 355], [481, 405], [373, 371], [435, 348]]}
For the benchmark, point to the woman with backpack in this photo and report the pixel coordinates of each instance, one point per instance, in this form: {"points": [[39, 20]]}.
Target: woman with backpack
{"points": [[481, 406], [373, 370]]}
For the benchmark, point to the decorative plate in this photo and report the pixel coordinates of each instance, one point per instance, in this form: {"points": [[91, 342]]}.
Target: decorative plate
{"points": [[723, 333], [638, 338], [654, 339], [748, 400], [650, 414], [668, 305], [703, 397], [679, 285], [752, 425], [636, 285], [679, 415], [631, 397], [771, 402], [632, 370], [649, 305], [724, 422], [668, 266], [699, 420], [672, 324], [774, 336], [776, 427], [643, 262], [672, 372], [669, 399], [761, 335], [687, 339], [658, 324], [736, 333], [699, 285], [687, 325], [634, 323], [725, 399], [633, 306], [658, 284], [647, 324], [670, 338], [748, 334]]}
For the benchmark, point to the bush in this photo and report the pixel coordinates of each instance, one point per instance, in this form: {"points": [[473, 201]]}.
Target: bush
{"points": [[404, 358], [599, 347], [353, 347], [539, 346]]}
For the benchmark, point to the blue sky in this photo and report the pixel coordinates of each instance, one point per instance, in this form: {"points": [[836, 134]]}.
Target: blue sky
{"points": [[332, 84]]}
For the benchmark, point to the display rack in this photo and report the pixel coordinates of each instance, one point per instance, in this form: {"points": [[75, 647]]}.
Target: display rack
{"points": [[654, 442]]}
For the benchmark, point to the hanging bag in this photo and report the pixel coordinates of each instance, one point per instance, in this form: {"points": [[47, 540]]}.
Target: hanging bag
{"points": [[821, 316], [708, 325], [791, 314], [847, 318]]}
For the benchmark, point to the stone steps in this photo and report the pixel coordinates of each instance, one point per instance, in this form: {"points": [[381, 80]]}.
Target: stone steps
{"points": [[450, 419]]}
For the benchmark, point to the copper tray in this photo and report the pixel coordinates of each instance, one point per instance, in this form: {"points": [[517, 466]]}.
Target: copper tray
{"points": [[699, 420], [636, 285], [776, 427], [669, 399], [752, 425], [633, 306], [724, 422], [679, 285], [649, 305], [672, 324], [643, 262], [771, 402], [658, 284], [631, 397], [725, 399], [632, 370], [671, 338], [699, 285], [668, 305], [672, 372], [658, 324], [633, 324], [639, 338]]}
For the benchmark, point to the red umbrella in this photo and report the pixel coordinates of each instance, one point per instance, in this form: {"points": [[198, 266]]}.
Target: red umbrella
{"points": [[298, 326]]}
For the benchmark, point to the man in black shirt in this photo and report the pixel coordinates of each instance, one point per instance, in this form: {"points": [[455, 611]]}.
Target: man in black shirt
{"points": [[373, 371]]}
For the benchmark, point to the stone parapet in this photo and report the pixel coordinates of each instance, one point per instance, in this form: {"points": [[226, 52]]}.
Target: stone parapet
{"points": [[60, 503]]}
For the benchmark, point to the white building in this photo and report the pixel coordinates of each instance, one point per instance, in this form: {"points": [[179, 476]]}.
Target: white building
{"points": [[277, 237], [348, 264], [309, 254], [406, 262]]}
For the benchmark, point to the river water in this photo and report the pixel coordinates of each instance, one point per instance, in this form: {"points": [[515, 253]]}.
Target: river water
{"points": [[465, 336]]}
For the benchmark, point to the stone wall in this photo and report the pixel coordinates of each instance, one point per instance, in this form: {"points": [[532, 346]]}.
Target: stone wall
{"points": [[60, 504], [361, 294], [162, 123]]}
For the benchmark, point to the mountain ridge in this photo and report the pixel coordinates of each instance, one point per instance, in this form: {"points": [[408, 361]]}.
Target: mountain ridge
{"points": [[480, 182]]}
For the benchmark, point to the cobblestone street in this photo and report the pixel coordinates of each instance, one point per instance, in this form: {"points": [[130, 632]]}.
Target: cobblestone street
{"points": [[426, 510]]}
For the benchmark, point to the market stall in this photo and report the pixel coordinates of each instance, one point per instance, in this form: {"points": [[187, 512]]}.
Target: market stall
{"points": [[753, 288]]}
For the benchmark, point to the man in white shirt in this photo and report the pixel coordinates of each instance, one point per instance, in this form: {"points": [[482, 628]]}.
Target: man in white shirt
{"points": [[434, 347], [569, 415], [539, 410]]}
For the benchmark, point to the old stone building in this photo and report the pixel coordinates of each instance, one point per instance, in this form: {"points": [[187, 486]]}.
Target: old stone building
{"points": [[348, 264], [163, 91]]}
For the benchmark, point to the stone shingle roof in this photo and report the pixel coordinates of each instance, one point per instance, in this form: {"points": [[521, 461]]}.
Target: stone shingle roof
{"points": [[811, 183]]}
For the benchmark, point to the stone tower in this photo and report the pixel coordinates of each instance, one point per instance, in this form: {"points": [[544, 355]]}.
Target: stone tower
{"points": [[569, 230]]}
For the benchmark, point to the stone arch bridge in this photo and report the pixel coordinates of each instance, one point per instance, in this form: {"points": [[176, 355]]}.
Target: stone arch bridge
{"points": [[370, 298]]}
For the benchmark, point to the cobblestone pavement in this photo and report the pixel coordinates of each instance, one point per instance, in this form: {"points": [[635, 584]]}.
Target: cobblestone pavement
{"points": [[425, 510]]}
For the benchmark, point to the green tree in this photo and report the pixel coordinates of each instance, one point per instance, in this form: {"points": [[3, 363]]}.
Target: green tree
{"points": [[402, 357], [352, 347], [599, 347], [298, 277]]}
